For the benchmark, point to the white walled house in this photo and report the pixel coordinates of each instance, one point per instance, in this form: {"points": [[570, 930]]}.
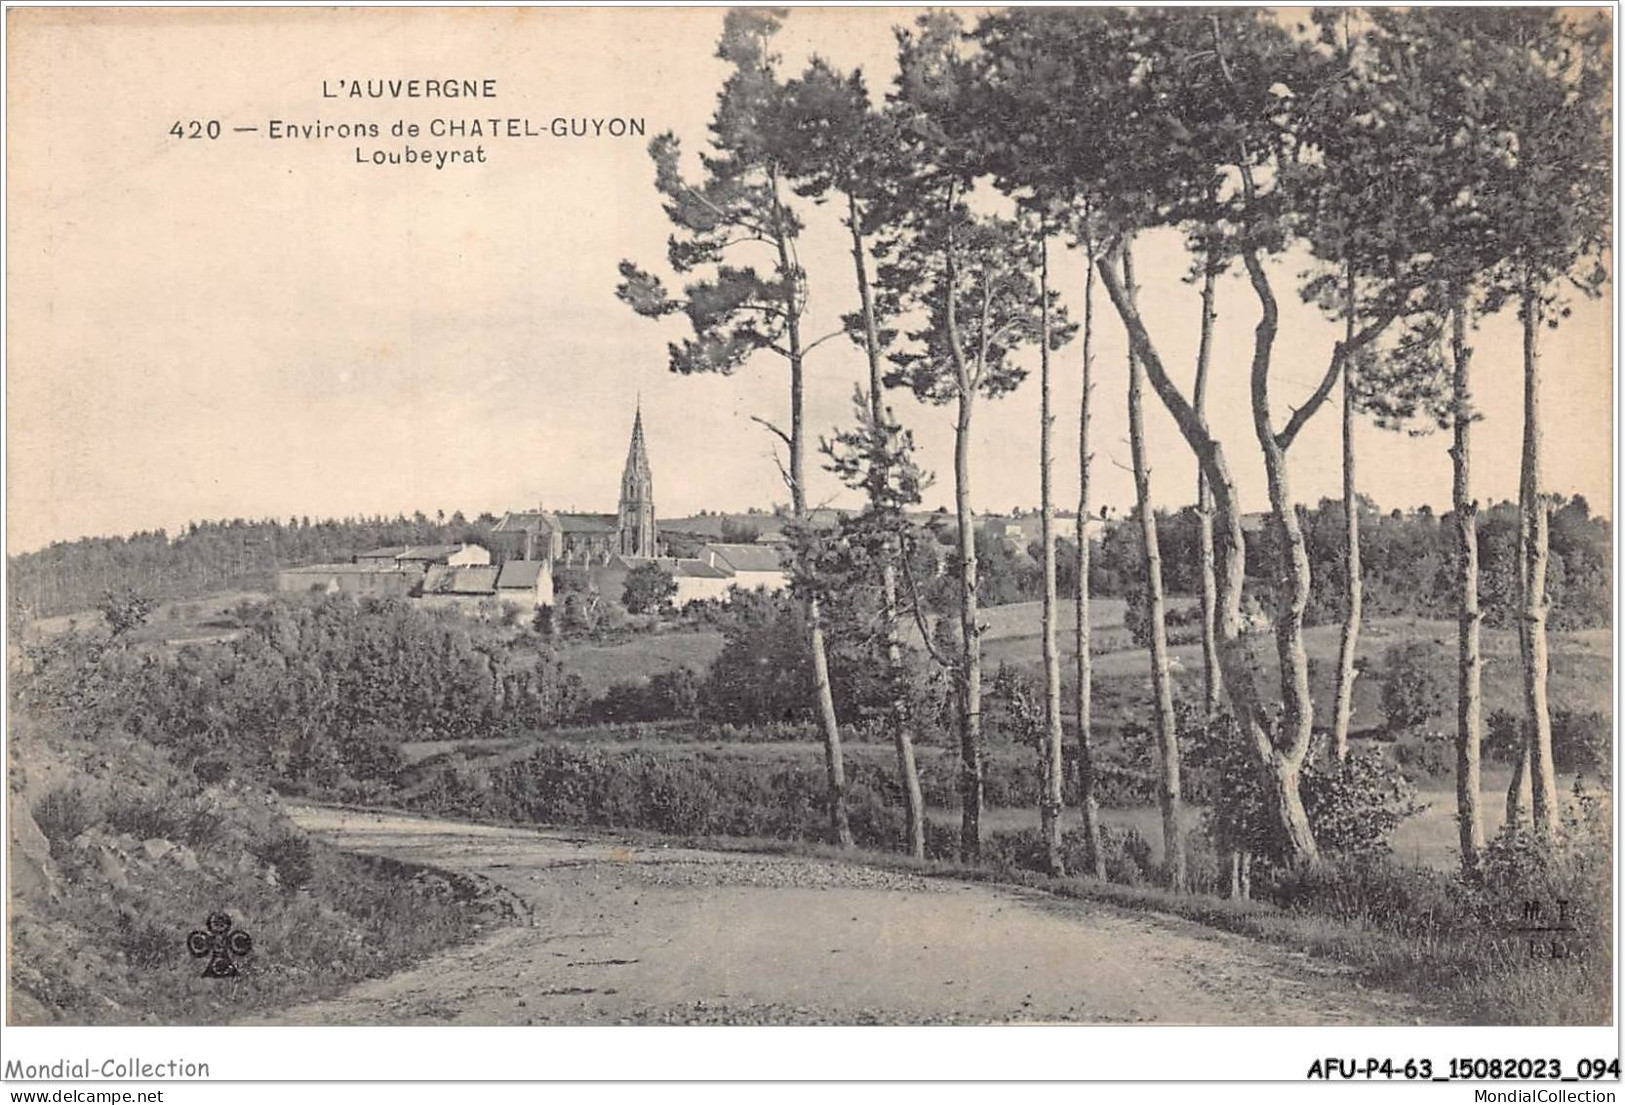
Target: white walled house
{"points": [[469, 555], [526, 583], [753, 567], [421, 558], [698, 581]]}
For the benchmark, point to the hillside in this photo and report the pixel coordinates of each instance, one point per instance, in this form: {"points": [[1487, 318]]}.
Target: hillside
{"points": [[116, 856]]}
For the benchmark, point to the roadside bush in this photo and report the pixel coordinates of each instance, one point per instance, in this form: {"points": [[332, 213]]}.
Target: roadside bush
{"points": [[1575, 870], [1007, 850], [62, 813], [1127, 855], [684, 791], [941, 840], [289, 855], [1370, 890], [1353, 806], [145, 815], [1207, 871], [145, 944]]}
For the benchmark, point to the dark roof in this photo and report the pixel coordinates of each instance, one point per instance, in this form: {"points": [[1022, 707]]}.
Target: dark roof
{"points": [[676, 567], [429, 552], [343, 569], [479, 579], [388, 551], [588, 523], [695, 569], [520, 574], [710, 526], [519, 520], [747, 558]]}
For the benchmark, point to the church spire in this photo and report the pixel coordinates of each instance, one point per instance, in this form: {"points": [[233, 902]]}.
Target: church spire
{"points": [[638, 454], [637, 535]]}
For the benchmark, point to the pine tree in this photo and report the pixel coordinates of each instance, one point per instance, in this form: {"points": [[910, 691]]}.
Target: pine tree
{"points": [[735, 310]]}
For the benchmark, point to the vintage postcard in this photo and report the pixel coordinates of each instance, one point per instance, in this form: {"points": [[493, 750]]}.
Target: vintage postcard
{"points": [[812, 516]]}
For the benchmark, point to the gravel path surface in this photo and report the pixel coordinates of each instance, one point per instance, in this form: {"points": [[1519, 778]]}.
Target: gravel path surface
{"points": [[632, 934]]}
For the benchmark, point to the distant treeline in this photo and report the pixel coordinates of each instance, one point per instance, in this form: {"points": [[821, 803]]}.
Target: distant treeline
{"points": [[1405, 561], [70, 576]]}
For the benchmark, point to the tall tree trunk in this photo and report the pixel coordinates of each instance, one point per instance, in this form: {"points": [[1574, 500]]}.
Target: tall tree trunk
{"points": [[1051, 766], [1532, 541], [902, 738], [1353, 586], [1168, 790], [1094, 858], [1297, 709], [1212, 681], [834, 764], [1236, 662], [1518, 797], [1469, 663], [901, 723], [970, 636], [969, 682]]}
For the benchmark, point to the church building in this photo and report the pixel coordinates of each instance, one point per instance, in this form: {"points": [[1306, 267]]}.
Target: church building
{"points": [[571, 539]]}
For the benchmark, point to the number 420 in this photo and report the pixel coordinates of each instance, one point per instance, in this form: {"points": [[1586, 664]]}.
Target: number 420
{"points": [[196, 128]]}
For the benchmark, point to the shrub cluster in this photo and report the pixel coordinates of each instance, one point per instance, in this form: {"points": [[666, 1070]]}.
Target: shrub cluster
{"points": [[687, 792], [318, 691]]}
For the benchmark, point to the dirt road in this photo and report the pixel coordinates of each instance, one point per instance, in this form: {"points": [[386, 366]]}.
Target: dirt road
{"points": [[621, 933]]}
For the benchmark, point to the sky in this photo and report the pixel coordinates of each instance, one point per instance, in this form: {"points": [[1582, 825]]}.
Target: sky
{"points": [[249, 327]]}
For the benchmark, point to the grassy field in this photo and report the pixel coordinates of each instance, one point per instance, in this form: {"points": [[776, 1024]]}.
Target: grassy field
{"points": [[1581, 673], [602, 666], [205, 620], [1427, 839]]}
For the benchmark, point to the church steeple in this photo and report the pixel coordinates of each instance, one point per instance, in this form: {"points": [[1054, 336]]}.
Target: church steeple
{"points": [[637, 535]]}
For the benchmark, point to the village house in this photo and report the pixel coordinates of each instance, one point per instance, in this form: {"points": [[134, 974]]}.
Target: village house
{"points": [[420, 558], [1023, 530], [394, 571], [380, 581], [751, 567], [697, 580], [461, 587], [519, 584]]}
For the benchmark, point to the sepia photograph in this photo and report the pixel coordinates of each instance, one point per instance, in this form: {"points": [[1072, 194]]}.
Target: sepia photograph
{"points": [[877, 516]]}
